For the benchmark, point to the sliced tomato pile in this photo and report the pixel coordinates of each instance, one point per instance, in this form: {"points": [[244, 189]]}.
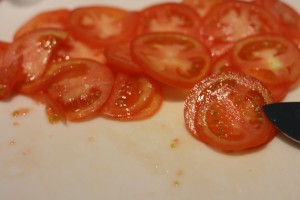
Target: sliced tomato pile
{"points": [[104, 61]]}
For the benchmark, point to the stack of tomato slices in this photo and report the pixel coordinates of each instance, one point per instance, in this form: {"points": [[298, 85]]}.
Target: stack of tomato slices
{"points": [[234, 56]]}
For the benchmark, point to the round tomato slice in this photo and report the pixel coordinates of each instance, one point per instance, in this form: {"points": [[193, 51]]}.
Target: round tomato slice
{"points": [[33, 52], [231, 21], [171, 17], [48, 19], [80, 95], [171, 58], [224, 111], [129, 95], [102, 26], [118, 57], [272, 59]]}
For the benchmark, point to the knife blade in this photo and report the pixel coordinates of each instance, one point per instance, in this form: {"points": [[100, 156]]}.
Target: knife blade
{"points": [[286, 117]]}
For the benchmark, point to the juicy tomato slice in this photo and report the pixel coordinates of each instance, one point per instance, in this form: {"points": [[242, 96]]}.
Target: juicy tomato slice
{"points": [[57, 18], [171, 17], [80, 95], [3, 48], [148, 111], [202, 6], [102, 26], [231, 21], [33, 52], [8, 75], [171, 58], [224, 111], [129, 95], [118, 57], [272, 59]]}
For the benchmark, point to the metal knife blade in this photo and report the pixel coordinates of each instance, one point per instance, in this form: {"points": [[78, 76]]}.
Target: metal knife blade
{"points": [[286, 117]]}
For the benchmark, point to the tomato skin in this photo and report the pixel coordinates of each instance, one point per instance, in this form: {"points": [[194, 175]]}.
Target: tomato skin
{"points": [[80, 95], [171, 58], [57, 18], [224, 111], [101, 26], [171, 17], [231, 21], [130, 94]]}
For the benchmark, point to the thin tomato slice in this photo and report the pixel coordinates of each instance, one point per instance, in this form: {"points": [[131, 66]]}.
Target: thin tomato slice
{"points": [[130, 94], [118, 57], [171, 58], [225, 112], [9, 75], [272, 59], [171, 17], [57, 18], [33, 51], [231, 21], [102, 26], [80, 95]]}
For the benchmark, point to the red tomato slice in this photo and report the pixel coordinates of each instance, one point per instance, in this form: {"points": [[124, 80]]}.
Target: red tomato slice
{"points": [[231, 21], [202, 6], [9, 74], [118, 57], [102, 26], [225, 112], [3, 48], [81, 95], [152, 108], [272, 59], [171, 58], [129, 95], [33, 51], [171, 17], [48, 19]]}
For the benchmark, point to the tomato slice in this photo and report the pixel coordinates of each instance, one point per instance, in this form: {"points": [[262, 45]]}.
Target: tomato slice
{"points": [[3, 48], [152, 108], [171, 58], [9, 75], [231, 21], [171, 17], [129, 95], [272, 59], [102, 26], [224, 111], [80, 95], [57, 18], [33, 52], [118, 57], [202, 6]]}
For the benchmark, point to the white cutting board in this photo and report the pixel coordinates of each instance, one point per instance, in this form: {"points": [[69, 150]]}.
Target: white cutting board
{"points": [[155, 159]]}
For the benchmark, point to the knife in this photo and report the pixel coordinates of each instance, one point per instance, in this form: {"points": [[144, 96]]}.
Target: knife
{"points": [[286, 117]]}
